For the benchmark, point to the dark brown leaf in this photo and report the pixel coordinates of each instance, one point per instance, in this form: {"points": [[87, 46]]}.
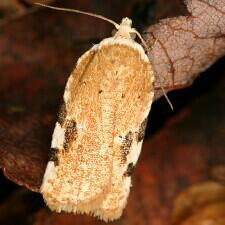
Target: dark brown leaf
{"points": [[18, 208], [10, 8], [14, 9]]}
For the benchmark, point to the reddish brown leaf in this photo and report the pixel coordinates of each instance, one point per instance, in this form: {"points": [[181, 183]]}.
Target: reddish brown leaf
{"points": [[184, 46]]}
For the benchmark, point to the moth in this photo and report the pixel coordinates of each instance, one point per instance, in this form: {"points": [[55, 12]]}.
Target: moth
{"points": [[100, 129]]}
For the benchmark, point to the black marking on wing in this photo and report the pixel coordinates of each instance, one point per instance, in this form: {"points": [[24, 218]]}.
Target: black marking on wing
{"points": [[141, 131], [53, 156], [70, 133], [126, 144], [62, 114], [130, 169]]}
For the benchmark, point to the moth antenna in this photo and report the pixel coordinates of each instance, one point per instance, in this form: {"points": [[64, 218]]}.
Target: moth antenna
{"points": [[141, 39], [116, 26], [147, 49], [80, 12], [165, 95]]}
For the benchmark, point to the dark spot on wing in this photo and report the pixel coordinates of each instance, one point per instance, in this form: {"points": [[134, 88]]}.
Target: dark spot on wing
{"points": [[70, 133], [126, 144], [100, 91], [62, 114], [53, 156], [141, 131], [130, 169], [123, 96]]}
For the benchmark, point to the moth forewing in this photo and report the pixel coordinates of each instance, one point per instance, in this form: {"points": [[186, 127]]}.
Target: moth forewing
{"points": [[98, 139]]}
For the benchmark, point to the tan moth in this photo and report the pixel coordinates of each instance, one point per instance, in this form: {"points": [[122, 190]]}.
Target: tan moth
{"points": [[98, 136]]}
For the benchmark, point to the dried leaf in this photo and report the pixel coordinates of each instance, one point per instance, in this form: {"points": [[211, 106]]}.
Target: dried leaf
{"points": [[213, 214], [14, 9], [202, 203], [196, 197], [184, 46], [218, 173], [11, 8]]}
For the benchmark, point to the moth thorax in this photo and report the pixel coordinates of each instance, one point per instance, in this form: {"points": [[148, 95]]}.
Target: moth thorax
{"points": [[125, 29]]}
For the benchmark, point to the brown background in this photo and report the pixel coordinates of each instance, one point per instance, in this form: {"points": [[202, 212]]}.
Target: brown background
{"points": [[37, 52]]}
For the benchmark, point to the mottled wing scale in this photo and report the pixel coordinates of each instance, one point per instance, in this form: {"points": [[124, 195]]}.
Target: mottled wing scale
{"points": [[99, 134], [131, 72], [83, 171]]}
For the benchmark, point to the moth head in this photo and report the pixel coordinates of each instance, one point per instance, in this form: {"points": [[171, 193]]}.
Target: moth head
{"points": [[125, 29], [126, 22]]}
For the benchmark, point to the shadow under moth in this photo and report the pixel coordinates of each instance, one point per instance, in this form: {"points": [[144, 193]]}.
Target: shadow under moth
{"points": [[100, 129]]}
